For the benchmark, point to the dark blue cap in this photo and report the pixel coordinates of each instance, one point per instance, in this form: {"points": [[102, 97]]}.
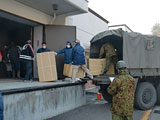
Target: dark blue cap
{"points": [[44, 42], [69, 42]]}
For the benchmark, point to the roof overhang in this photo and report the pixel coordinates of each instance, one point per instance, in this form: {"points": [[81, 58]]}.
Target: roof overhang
{"points": [[18, 19], [99, 16], [59, 7]]}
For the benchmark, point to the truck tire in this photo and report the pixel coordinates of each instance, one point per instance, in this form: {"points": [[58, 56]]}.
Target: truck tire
{"points": [[158, 93], [145, 96], [105, 94]]}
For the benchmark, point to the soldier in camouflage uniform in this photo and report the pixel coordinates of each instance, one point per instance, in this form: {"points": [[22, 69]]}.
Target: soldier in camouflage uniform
{"points": [[122, 89], [108, 51]]}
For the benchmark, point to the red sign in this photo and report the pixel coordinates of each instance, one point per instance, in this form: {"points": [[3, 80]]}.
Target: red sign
{"points": [[0, 55]]}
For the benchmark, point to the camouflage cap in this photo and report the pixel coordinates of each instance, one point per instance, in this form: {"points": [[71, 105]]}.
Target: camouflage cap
{"points": [[121, 64]]}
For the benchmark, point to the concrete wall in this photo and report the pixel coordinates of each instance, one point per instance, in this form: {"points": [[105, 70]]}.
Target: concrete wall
{"points": [[43, 104], [60, 20]]}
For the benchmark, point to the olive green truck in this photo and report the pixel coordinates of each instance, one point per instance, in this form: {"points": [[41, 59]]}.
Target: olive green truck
{"points": [[142, 56]]}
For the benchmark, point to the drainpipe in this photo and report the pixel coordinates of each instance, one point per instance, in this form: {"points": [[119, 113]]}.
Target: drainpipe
{"points": [[54, 18]]}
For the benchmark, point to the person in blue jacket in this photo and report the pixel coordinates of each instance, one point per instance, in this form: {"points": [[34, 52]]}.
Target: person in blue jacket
{"points": [[1, 106], [44, 48], [79, 61], [67, 53]]}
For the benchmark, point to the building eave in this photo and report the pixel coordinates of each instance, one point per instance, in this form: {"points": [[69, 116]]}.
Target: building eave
{"points": [[99, 16]]}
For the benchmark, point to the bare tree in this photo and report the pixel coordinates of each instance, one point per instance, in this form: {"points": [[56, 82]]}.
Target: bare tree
{"points": [[156, 29]]}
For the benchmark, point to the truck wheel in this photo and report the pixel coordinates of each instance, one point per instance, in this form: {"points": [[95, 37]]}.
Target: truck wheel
{"points": [[105, 94], [158, 93], [145, 97]]}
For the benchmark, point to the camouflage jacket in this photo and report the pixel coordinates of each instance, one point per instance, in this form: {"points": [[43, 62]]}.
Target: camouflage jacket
{"points": [[107, 49], [122, 89]]}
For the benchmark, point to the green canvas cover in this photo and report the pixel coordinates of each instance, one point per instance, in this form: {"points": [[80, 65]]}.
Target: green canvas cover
{"points": [[139, 51]]}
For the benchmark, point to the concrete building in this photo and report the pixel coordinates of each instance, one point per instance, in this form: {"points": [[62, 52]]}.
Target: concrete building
{"points": [[47, 20]]}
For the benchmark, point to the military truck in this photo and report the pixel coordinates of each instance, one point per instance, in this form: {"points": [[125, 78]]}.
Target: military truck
{"points": [[142, 56]]}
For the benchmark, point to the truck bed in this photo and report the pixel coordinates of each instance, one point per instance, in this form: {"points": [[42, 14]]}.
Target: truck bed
{"points": [[102, 79]]}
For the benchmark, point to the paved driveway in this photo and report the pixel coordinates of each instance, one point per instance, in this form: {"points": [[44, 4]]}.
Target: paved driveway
{"points": [[93, 110]]}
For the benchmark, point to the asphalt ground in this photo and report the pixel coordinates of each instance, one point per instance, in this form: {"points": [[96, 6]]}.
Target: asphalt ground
{"points": [[93, 110], [155, 113]]}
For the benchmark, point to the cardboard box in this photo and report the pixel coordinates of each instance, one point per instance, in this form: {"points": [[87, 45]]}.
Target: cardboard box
{"points": [[97, 66], [46, 66], [67, 71]]}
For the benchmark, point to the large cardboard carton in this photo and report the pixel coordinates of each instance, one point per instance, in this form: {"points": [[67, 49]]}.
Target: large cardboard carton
{"points": [[67, 71], [46, 66], [97, 66]]}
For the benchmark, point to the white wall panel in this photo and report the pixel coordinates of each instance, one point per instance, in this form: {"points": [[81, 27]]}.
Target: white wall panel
{"points": [[88, 25], [38, 38]]}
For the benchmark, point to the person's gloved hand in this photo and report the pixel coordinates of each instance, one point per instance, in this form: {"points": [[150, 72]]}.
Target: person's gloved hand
{"points": [[55, 53]]}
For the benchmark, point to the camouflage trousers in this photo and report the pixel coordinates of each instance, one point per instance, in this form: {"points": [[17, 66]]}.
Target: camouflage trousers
{"points": [[108, 61], [118, 117]]}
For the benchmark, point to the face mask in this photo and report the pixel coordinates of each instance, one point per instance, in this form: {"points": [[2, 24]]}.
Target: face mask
{"points": [[68, 46], [44, 47]]}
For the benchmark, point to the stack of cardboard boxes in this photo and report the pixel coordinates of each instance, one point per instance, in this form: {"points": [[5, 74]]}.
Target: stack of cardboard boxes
{"points": [[47, 67]]}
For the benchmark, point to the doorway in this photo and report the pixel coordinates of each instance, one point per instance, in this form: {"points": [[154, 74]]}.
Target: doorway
{"points": [[11, 31]]}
